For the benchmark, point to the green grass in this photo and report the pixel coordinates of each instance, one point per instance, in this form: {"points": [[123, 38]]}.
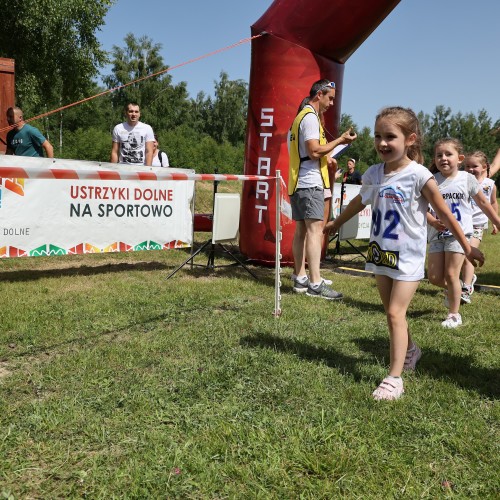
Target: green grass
{"points": [[116, 383]]}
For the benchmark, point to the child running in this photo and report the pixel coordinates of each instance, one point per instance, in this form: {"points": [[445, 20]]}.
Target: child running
{"points": [[477, 164], [399, 190], [446, 256]]}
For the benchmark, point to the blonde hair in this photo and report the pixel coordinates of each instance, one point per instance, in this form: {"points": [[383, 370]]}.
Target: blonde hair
{"points": [[482, 159], [407, 121], [457, 144]]}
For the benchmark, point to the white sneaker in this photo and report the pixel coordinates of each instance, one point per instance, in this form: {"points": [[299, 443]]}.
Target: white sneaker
{"points": [[474, 279], [452, 321], [465, 296]]}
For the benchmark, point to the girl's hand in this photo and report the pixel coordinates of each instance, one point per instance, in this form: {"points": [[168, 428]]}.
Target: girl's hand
{"points": [[433, 221], [475, 254], [437, 224], [494, 229], [331, 227], [331, 164]]}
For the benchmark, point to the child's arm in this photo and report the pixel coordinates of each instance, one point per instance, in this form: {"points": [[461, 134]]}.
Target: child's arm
{"points": [[495, 164], [355, 206], [494, 205], [431, 193], [487, 208], [435, 222]]}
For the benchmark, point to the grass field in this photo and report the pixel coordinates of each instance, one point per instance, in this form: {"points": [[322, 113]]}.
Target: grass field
{"points": [[116, 383]]}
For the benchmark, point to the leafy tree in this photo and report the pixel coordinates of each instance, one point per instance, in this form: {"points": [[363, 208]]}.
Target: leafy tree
{"points": [[227, 112], [163, 105], [188, 149], [362, 149], [475, 132], [97, 113], [437, 127], [55, 48], [88, 143], [200, 113]]}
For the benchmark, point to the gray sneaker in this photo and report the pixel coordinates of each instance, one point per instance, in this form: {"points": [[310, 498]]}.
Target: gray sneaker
{"points": [[324, 292], [299, 287]]}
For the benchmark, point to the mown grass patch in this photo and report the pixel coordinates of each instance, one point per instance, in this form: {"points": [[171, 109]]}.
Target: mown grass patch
{"points": [[116, 382]]}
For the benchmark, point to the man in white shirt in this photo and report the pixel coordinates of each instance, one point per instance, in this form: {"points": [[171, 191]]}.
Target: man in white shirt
{"points": [[132, 140], [308, 176]]}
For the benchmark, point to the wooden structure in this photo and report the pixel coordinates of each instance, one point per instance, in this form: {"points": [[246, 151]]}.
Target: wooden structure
{"points": [[7, 96]]}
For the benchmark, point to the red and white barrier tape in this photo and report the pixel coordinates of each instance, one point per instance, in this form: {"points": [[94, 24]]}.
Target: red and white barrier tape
{"points": [[116, 175]]}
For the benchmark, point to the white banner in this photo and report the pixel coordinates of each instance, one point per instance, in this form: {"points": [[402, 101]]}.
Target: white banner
{"points": [[358, 228], [63, 217]]}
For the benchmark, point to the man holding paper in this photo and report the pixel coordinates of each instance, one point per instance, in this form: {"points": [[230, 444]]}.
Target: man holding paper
{"points": [[310, 154]]}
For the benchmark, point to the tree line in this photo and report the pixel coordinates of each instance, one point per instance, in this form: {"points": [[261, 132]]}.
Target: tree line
{"points": [[475, 131], [59, 60]]}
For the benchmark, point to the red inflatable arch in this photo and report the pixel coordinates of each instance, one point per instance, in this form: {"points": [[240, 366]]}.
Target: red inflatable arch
{"points": [[304, 40]]}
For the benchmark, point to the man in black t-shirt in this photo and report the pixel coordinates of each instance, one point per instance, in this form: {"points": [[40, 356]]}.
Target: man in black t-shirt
{"points": [[352, 176]]}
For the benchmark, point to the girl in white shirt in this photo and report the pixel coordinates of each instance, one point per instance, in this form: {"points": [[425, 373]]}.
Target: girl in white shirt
{"points": [[445, 255], [399, 190], [476, 163]]}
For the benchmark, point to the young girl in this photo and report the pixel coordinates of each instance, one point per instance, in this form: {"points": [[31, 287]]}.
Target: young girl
{"points": [[399, 190], [445, 252], [477, 164]]}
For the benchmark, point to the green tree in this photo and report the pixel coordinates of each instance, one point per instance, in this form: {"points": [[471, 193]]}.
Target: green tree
{"points": [[227, 113], [55, 48], [87, 143], [186, 148], [163, 105], [474, 131], [434, 128], [362, 149]]}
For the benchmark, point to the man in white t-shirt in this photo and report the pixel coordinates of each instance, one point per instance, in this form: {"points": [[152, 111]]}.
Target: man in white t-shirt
{"points": [[308, 177], [132, 140]]}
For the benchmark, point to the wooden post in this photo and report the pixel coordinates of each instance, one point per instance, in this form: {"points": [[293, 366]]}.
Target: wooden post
{"points": [[7, 96]]}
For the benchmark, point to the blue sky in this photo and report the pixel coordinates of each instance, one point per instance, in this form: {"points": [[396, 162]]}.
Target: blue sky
{"points": [[426, 52]]}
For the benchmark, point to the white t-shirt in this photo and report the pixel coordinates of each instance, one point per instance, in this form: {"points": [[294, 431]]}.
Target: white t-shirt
{"points": [[309, 172], [398, 234], [132, 142], [456, 192], [156, 160], [479, 218]]}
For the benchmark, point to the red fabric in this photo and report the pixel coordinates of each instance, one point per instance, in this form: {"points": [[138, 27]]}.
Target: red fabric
{"points": [[306, 40]]}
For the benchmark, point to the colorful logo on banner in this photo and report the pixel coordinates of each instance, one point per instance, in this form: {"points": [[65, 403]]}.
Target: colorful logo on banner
{"points": [[14, 185], [49, 250]]}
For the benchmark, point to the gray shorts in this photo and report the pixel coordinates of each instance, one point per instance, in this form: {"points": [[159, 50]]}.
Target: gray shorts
{"points": [[308, 203], [446, 245]]}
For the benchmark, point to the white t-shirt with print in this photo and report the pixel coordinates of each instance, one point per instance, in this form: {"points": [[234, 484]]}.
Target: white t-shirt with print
{"points": [[132, 142], [398, 233], [456, 192]]}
